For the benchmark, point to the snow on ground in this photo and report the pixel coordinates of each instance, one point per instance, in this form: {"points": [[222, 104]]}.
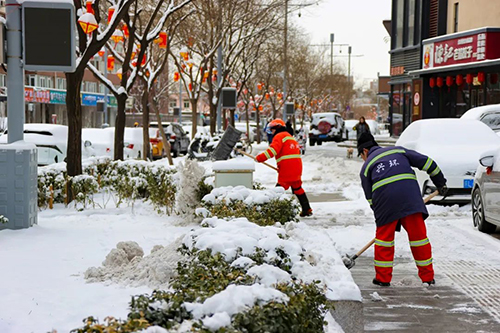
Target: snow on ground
{"points": [[41, 281]]}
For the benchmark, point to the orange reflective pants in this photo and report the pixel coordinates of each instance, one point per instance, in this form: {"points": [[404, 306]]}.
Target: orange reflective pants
{"points": [[419, 243]]}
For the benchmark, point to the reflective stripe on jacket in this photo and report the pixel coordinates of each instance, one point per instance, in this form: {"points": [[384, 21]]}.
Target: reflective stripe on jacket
{"points": [[390, 184], [286, 150]]}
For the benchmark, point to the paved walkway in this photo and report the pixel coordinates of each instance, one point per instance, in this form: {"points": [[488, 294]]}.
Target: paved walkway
{"points": [[459, 302]]}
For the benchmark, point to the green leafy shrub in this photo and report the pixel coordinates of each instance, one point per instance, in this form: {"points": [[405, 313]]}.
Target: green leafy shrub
{"points": [[276, 210], [161, 189], [84, 187], [203, 189], [304, 312], [3, 220], [112, 325]]}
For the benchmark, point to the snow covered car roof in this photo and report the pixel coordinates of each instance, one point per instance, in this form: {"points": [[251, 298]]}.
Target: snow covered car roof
{"points": [[476, 113]]}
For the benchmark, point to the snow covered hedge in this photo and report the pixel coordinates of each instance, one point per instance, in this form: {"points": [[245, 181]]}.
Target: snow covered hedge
{"points": [[121, 181], [236, 276], [264, 207]]}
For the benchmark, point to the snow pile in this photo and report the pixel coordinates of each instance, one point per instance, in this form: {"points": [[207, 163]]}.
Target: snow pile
{"points": [[216, 311], [241, 193], [190, 175], [309, 261], [127, 265]]}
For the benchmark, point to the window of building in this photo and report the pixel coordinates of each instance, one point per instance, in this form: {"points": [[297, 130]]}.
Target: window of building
{"points": [[102, 88], [3, 80], [91, 87], [42, 81], [410, 39], [186, 105], [32, 80], [455, 17], [49, 83], [61, 83], [173, 104], [400, 9]]}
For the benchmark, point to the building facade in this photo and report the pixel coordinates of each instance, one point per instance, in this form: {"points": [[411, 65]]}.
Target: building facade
{"points": [[445, 58]]}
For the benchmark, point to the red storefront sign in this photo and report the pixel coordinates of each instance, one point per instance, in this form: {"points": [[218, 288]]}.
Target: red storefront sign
{"points": [[476, 46], [42, 96], [29, 94]]}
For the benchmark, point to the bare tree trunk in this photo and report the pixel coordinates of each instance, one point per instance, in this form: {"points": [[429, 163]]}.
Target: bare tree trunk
{"points": [[145, 124], [166, 143], [248, 123], [224, 119], [120, 126], [257, 119], [231, 117], [74, 109], [194, 117]]}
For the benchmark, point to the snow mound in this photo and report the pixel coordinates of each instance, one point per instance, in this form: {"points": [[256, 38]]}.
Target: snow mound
{"points": [[241, 193], [191, 173], [127, 265], [269, 275], [216, 311]]}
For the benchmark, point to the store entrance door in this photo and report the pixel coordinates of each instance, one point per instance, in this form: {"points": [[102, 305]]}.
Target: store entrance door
{"points": [[407, 108]]}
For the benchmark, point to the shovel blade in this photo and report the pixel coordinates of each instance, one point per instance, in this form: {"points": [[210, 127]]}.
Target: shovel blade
{"points": [[349, 261]]}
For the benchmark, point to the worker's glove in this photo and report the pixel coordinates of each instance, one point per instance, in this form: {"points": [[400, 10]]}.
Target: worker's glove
{"points": [[260, 158], [443, 190]]}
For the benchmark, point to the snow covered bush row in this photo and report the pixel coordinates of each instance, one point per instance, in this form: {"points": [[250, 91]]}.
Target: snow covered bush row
{"points": [[264, 207], [124, 181], [235, 276]]}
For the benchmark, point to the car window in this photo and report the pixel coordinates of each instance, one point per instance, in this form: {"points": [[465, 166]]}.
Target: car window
{"points": [[492, 120], [177, 130]]}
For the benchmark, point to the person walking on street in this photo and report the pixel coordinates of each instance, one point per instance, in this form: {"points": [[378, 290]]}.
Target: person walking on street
{"points": [[361, 127], [286, 150], [392, 190], [289, 127]]}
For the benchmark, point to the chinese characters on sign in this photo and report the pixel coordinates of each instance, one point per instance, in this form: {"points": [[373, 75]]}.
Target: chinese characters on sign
{"points": [[476, 47]]}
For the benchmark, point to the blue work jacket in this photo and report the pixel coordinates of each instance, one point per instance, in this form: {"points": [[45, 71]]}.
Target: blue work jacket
{"points": [[390, 184]]}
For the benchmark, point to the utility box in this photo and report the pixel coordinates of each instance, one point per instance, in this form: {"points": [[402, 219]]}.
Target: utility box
{"points": [[234, 172], [18, 185]]}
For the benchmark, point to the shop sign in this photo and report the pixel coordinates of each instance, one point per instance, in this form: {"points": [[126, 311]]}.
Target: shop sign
{"points": [[57, 97], [42, 96], [461, 50], [400, 70], [29, 94], [417, 94]]}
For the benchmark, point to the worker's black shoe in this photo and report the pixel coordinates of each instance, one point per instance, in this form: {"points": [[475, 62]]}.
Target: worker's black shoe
{"points": [[427, 284], [308, 212], [382, 284]]}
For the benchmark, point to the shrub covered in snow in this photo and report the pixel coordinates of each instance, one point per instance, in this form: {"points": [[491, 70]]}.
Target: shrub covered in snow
{"points": [[3, 219], [235, 276], [190, 177], [127, 180], [264, 207]]}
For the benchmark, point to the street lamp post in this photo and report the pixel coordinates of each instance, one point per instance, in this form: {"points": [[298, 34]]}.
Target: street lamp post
{"points": [[285, 60], [332, 37]]}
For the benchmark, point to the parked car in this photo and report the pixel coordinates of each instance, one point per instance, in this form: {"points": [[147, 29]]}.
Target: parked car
{"points": [[103, 141], [488, 114], [486, 193], [455, 145], [327, 126], [349, 128], [51, 142], [177, 136]]}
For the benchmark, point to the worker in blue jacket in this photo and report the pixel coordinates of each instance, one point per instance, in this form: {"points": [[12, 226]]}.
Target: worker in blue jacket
{"points": [[392, 190]]}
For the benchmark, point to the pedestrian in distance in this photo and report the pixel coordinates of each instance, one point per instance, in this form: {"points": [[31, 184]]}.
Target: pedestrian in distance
{"points": [[392, 190], [289, 127], [361, 127], [268, 132], [286, 150]]}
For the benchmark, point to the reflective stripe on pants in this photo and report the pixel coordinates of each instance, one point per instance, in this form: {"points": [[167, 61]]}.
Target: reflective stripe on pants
{"points": [[420, 248]]}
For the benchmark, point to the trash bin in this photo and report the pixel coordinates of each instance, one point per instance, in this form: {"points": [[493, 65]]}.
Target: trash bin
{"points": [[235, 172]]}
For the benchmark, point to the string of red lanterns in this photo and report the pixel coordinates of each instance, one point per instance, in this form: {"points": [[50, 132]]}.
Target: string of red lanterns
{"points": [[459, 79]]}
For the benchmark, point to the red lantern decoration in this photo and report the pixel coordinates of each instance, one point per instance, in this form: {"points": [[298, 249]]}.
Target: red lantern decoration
{"points": [[259, 86], [111, 63], [177, 76], [432, 82], [469, 78], [126, 33], [480, 77], [460, 80], [111, 12], [449, 81], [261, 108], [267, 95], [88, 23], [440, 82], [190, 86], [101, 53], [88, 6], [162, 43], [494, 78]]}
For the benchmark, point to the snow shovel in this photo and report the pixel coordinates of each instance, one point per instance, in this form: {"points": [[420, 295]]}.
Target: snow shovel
{"points": [[226, 144], [253, 157], [349, 261]]}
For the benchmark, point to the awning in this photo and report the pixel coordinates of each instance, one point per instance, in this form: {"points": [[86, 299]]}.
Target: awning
{"points": [[459, 67], [400, 80]]}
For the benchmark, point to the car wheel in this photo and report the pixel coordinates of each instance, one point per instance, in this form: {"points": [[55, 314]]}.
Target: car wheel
{"points": [[176, 150], [312, 142], [478, 213], [320, 142]]}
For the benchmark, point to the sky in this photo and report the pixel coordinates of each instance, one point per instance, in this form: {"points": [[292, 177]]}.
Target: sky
{"points": [[354, 22]]}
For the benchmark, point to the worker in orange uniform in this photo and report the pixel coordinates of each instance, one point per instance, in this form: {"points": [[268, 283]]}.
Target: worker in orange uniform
{"points": [[286, 150]]}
